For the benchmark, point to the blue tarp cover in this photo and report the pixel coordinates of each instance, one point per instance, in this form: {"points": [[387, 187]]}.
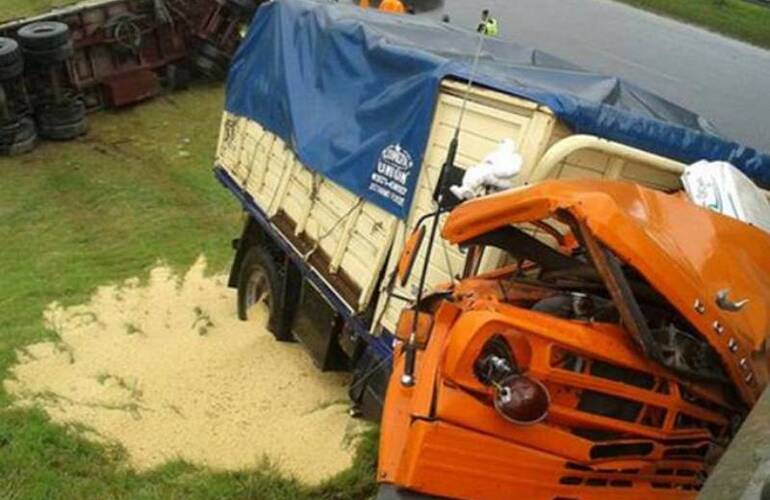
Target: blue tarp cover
{"points": [[352, 91]]}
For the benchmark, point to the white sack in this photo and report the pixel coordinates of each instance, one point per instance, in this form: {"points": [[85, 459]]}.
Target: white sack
{"points": [[495, 173], [721, 187]]}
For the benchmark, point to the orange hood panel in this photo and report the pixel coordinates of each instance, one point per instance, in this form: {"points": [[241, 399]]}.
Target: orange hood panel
{"points": [[687, 253]]}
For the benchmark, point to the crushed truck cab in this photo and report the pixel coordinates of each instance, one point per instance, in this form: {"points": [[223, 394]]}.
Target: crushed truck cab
{"points": [[609, 304]]}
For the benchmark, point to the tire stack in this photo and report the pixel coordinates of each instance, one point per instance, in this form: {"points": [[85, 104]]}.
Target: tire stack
{"points": [[60, 111], [17, 129]]}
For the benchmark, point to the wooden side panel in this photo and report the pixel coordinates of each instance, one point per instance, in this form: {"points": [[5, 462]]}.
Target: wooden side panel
{"points": [[356, 238], [343, 237]]}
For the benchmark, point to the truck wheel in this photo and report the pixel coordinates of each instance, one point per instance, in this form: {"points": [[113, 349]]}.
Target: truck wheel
{"points": [[177, 77], [44, 36], [9, 51], [50, 56], [11, 63], [211, 62], [13, 70], [72, 110], [260, 282], [62, 122], [209, 68], [18, 137], [66, 132]]}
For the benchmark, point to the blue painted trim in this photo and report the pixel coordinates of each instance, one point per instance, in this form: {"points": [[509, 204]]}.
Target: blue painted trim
{"points": [[382, 344]]}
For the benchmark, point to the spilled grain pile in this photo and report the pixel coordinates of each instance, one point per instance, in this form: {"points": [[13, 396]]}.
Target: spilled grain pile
{"points": [[166, 370]]}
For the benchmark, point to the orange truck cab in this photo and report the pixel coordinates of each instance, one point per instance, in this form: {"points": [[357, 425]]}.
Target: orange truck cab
{"points": [[613, 354]]}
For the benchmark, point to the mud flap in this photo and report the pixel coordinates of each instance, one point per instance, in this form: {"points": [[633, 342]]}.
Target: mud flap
{"points": [[370, 383], [318, 326]]}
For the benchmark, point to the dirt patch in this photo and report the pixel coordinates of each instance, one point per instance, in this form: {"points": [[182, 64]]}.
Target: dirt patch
{"points": [[168, 371]]}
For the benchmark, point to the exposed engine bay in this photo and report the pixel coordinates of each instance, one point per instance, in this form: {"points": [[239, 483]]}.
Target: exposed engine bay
{"points": [[573, 289]]}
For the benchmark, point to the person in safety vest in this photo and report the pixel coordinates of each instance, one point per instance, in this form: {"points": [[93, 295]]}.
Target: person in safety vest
{"points": [[392, 6], [488, 24]]}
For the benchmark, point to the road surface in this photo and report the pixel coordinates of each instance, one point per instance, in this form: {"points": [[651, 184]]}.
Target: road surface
{"points": [[724, 80]]}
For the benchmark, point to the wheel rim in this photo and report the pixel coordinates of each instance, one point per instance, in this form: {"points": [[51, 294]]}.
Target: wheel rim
{"points": [[258, 292]]}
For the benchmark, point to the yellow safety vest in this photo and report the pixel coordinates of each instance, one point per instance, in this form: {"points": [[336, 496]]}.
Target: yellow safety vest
{"points": [[490, 28]]}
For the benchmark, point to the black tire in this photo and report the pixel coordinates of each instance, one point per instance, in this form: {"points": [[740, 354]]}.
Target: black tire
{"points": [[10, 53], [24, 138], [177, 77], [27, 130], [260, 279], [209, 68], [23, 147], [65, 132], [211, 51], [67, 113], [12, 71], [44, 36], [50, 56], [8, 132]]}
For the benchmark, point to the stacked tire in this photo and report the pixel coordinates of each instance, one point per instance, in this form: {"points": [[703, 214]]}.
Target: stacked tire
{"points": [[62, 121], [60, 111], [11, 60], [17, 130]]}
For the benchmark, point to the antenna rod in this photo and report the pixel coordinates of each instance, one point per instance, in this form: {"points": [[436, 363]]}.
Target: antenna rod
{"points": [[410, 350]]}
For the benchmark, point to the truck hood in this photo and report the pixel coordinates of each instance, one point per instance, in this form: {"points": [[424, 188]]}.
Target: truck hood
{"points": [[687, 253]]}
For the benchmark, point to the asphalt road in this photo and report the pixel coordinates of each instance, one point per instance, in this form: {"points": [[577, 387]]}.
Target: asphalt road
{"points": [[726, 81]]}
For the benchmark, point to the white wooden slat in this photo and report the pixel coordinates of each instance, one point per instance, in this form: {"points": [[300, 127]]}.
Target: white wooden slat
{"points": [[283, 186]]}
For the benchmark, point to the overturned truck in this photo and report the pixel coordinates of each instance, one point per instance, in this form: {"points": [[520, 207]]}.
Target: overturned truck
{"points": [[589, 332], [58, 66]]}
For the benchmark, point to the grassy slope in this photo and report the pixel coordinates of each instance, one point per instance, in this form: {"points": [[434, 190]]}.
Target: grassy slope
{"points": [[735, 18], [77, 215], [12, 9]]}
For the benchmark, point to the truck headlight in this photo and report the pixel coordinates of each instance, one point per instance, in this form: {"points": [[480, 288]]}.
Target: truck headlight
{"points": [[522, 400]]}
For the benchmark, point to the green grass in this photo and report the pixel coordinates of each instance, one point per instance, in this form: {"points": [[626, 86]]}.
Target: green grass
{"points": [[12, 9], [73, 216], [735, 18]]}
